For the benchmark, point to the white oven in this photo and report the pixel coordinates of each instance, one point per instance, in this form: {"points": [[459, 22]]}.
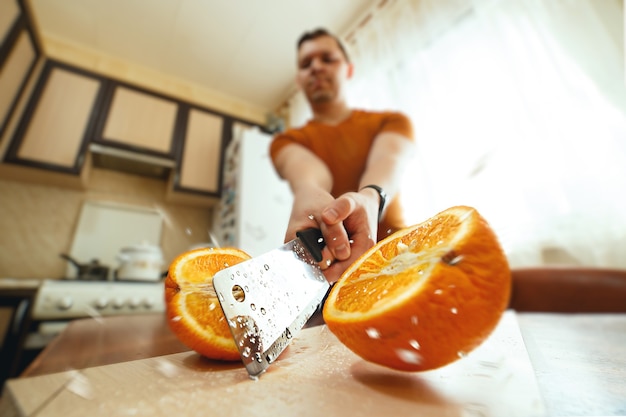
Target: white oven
{"points": [[57, 302]]}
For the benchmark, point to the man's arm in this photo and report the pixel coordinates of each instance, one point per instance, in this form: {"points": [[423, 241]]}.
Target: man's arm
{"points": [[302, 168], [357, 212], [350, 223], [387, 162], [311, 182]]}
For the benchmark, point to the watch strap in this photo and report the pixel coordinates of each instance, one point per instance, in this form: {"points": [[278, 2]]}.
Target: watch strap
{"points": [[383, 198]]}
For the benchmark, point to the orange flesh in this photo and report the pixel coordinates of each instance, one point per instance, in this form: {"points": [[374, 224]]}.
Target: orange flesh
{"points": [[193, 310], [424, 296], [391, 271]]}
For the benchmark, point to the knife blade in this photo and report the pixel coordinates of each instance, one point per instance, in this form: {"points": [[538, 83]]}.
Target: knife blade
{"points": [[268, 299]]}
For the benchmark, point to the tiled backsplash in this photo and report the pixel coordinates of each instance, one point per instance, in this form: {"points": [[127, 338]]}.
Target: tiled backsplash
{"points": [[37, 222]]}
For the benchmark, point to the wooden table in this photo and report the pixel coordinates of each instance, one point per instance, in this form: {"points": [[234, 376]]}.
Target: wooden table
{"points": [[579, 360], [93, 342]]}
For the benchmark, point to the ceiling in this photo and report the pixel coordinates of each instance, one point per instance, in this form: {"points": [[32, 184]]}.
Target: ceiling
{"points": [[244, 49]]}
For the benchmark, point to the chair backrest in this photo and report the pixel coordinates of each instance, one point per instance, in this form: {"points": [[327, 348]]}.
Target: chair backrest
{"points": [[568, 290]]}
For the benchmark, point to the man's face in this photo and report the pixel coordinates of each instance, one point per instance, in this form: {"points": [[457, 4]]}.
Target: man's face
{"points": [[322, 69]]}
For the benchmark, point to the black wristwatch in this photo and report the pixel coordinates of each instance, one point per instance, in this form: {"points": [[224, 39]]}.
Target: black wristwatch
{"points": [[383, 199]]}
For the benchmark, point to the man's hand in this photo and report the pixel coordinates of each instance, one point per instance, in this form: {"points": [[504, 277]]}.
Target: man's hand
{"points": [[308, 203], [349, 225]]}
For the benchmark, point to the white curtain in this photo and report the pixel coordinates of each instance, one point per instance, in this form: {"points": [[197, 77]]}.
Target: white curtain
{"points": [[519, 108]]}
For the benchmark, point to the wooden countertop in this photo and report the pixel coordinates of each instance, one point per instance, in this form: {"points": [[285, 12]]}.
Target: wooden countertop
{"points": [[93, 342], [578, 360]]}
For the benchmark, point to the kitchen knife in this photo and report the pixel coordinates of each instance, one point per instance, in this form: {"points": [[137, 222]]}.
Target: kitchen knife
{"points": [[268, 299]]}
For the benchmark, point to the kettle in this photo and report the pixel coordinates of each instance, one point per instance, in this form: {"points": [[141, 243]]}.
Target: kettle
{"points": [[140, 262]]}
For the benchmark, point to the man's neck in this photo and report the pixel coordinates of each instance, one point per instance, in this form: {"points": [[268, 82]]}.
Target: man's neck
{"points": [[330, 113]]}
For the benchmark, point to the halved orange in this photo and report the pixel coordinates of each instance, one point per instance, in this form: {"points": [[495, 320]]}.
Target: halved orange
{"points": [[192, 308], [424, 296]]}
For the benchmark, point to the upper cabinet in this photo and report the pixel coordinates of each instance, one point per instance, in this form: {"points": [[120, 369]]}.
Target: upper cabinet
{"points": [[73, 116], [137, 120], [59, 121], [18, 56], [198, 173]]}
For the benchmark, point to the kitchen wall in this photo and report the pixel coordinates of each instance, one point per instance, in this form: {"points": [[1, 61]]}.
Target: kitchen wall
{"points": [[38, 222]]}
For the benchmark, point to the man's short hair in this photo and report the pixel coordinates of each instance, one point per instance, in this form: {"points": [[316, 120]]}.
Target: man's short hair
{"points": [[318, 33]]}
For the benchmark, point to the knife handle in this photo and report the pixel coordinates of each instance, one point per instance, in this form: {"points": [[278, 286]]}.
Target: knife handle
{"points": [[313, 240]]}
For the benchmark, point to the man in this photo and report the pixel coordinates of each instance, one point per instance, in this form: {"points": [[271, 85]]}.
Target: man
{"points": [[344, 165]]}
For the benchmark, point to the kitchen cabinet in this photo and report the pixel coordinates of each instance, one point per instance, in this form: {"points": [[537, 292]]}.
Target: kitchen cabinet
{"points": [[197, 177], [18, 55], [9, 14], [137, 120], [14, 75], [58, 122], [75, 119]]}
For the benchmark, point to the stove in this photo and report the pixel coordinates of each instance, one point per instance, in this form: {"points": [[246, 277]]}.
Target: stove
{"points": [[71, 299], [41, 309]]}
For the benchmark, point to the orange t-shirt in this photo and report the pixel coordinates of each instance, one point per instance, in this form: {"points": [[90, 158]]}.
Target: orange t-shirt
{"points": [[345, 147]]}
